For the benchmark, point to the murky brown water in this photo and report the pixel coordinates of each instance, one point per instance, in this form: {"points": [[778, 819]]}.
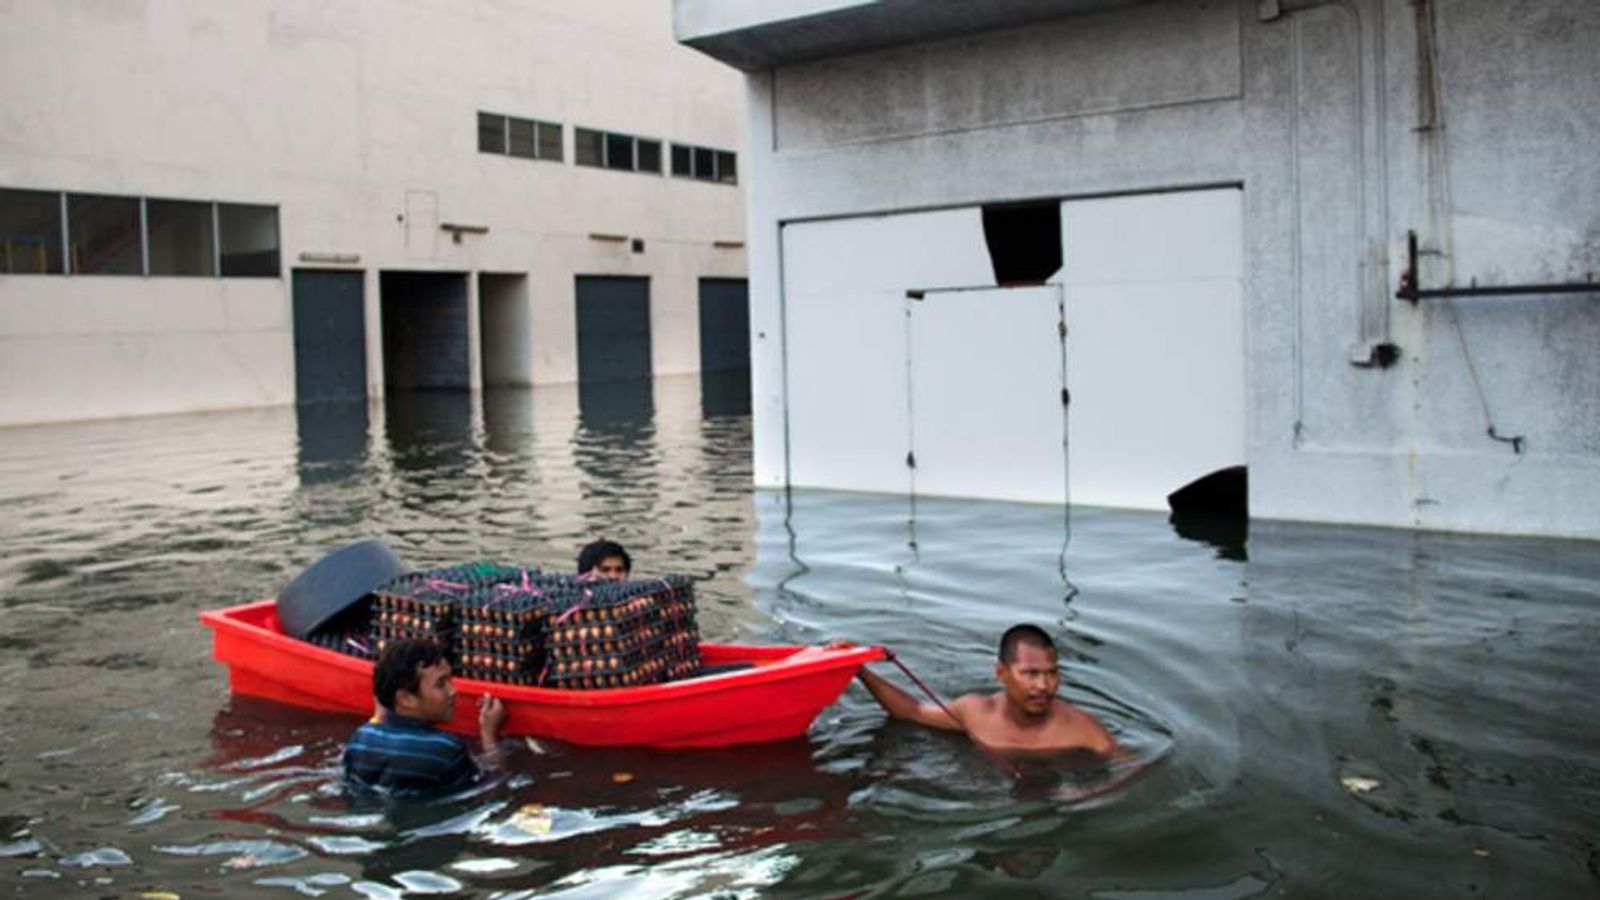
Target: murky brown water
{"points": [[1452, 674]]}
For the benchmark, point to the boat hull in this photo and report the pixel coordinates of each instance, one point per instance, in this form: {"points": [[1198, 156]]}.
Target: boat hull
{"points": [[778, 697]]}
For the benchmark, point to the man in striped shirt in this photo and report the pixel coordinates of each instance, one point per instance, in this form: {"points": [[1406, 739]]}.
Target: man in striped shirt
{"points": [[400, 751]]}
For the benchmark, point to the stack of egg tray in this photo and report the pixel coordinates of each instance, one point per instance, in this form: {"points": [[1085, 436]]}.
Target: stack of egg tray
{"points": [[425, 605], [501, 628], [624, 634]]}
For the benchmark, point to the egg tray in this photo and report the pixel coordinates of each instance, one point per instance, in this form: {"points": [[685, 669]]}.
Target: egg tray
{"points": [[354, 640], [656, 668], [486, 663], [579, 641]]}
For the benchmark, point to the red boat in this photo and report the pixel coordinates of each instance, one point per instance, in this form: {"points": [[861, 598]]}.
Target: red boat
{"points": [[777, 696]]}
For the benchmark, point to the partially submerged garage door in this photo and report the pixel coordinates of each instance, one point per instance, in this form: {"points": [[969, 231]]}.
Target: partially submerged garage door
{"points": [[960, 392], [613, 329], [330, 337]]}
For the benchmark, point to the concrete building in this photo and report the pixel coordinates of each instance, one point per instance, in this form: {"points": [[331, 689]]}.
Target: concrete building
{"points": [[1096, 249], [208, 205]]}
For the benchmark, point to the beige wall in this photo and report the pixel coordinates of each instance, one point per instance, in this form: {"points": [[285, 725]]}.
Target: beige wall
{"points": [[358, 120]]}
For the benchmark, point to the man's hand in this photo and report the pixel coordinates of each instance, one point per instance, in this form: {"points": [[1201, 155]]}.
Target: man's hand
{"points": [[491, 715], [841, 644]]}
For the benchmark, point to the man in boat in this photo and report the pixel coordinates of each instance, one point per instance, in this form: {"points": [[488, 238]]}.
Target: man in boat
{"points": [[604, 560], [1024, 715], [401, 751]]}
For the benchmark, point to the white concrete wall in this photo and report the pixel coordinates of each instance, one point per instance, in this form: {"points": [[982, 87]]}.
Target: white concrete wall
{"points": [[1320, 116], [358, 120]]}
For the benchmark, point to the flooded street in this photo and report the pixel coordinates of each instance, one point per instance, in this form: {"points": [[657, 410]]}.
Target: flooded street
{"points": [[1336, 712]]}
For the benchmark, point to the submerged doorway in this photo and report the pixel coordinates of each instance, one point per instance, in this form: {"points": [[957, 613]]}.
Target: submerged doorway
{"points": [[425, 340], [724, 346], [613, 329], [330, 337]]}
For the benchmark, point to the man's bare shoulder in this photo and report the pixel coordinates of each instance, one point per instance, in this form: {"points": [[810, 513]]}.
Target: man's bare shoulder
{"points": [[978, 704], [1083, 726]]}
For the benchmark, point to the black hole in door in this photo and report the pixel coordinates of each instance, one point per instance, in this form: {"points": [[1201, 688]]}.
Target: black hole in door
{"points": [[1024, 241]]}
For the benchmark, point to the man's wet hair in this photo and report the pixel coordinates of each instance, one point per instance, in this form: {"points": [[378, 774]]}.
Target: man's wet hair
{"points": [[598, 551], [1032, 635], [399, 668]]}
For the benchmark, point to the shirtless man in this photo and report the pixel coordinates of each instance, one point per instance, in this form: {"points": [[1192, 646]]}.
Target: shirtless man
{"points": [[1025, 715]]}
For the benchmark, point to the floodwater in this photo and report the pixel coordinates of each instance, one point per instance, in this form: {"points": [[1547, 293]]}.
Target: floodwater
{"points": [[1331, 712]]}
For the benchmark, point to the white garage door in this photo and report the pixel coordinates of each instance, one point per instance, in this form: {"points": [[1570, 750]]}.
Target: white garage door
{"points": [[967, 383]]}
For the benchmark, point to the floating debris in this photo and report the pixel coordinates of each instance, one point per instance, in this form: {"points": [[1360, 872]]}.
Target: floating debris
{"points": [[29, 847], [532, 818], [1355, 784], [622, 777]]}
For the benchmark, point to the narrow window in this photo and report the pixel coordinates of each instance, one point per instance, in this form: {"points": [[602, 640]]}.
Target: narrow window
{"points": [[727, 167], [650, 156], [522, 138], [682, 161], [249, 240], [549, 141], [105, 235], [180, 235], [491, 133], [705, 164], [588, 147], [619, 151], [30, 232]]}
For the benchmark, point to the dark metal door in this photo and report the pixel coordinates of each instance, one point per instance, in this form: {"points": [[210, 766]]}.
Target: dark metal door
{"points": [[724, 324], [425, 344], [330, 337], [613, 329]]}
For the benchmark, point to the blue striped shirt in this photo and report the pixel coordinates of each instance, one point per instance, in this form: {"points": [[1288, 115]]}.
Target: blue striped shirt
{"points": [[407, 757]]}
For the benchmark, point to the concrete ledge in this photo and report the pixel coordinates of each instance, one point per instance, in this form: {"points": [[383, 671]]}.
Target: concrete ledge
{"points": [[760, 34]]}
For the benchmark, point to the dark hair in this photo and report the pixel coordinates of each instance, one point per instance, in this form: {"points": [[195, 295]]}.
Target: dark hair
{"points": [[400, 666], [1032, 635], [598, 551]]}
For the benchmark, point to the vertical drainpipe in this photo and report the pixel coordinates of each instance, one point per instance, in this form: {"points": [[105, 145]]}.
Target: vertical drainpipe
{"points": [[1431, 196], [66, 236], [144, 236], [216, 241]]}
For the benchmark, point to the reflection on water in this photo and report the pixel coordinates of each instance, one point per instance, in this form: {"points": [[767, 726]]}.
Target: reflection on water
{"points": [[1338, 712], [332, 440], [725, 393]]}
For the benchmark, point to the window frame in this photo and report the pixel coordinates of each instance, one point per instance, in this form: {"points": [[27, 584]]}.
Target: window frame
{"points": [[538, 129], [606, 140], [692, 168], [57, 201]]}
